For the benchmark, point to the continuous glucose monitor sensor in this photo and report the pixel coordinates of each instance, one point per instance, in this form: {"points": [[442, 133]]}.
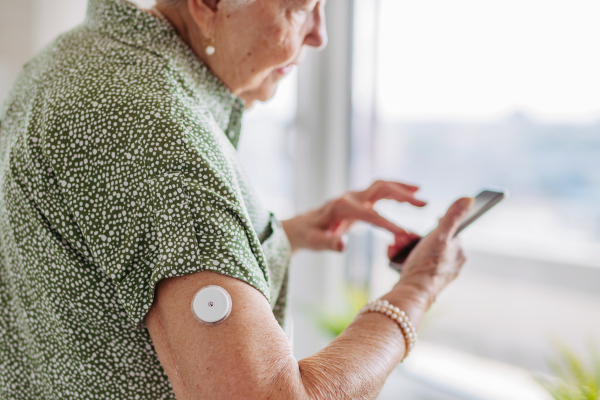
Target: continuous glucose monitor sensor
{"points": [[211, 305]]}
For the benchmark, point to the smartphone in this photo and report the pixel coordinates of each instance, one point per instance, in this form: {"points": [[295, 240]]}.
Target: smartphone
{"points": [[483, 202]]}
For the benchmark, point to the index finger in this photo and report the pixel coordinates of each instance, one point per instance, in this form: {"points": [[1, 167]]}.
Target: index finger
{"points": [[348, 208], [392, 191]]}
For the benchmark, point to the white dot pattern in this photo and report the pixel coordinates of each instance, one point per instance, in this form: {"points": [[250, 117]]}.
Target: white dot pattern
{"points": [[118, 169]]}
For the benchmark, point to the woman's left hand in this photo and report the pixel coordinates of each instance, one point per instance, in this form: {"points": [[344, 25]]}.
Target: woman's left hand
{"points": [[324, 228]]}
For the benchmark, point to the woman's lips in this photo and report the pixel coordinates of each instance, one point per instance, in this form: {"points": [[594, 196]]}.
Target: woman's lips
{"points": [[285, 70]]}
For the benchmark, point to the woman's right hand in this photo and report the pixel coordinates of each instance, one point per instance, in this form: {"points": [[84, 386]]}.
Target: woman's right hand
{"points": [[438, 258]]}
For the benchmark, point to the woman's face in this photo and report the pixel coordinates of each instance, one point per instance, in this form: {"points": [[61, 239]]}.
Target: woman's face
{"points": [[258, 43]]}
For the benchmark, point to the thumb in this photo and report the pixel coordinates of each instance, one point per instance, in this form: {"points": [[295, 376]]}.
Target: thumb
{"points": [[455, 214]]}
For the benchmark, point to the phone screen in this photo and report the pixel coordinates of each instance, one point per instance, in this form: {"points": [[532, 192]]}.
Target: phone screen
{"points": [[483, 202]]}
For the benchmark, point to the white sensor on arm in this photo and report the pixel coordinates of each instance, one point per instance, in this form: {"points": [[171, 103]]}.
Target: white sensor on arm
{"points": [[211, 305]]}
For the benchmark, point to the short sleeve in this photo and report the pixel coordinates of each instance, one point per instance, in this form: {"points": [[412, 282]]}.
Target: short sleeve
{"points": [[195, 229], [150, 190]]}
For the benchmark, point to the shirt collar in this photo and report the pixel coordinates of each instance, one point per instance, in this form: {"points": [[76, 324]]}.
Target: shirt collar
{"points": [[128, 24]]}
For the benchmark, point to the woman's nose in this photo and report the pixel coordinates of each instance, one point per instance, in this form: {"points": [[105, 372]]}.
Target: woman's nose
{"points": [[317, 36]]}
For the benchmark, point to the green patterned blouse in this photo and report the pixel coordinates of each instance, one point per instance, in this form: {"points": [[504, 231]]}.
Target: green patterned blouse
{"points": [[118, 168]]}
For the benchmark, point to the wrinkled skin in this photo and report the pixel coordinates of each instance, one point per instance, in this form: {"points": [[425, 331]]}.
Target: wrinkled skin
{"points": [[254, 43]]}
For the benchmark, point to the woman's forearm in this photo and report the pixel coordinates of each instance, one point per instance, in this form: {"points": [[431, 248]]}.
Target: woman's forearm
{"points": [[357, 363]]}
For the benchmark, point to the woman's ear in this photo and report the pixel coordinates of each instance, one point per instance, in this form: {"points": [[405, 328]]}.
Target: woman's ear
{"points": [[203, 13]]}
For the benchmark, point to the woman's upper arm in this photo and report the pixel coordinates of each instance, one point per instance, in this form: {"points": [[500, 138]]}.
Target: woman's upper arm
{"points": [[245, 357]]}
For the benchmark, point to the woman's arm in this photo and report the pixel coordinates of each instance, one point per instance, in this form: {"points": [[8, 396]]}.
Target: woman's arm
{"points": [[249, 357]]}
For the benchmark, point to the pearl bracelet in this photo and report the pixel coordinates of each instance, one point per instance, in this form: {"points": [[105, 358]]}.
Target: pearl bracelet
{"points": [[384, 307]]}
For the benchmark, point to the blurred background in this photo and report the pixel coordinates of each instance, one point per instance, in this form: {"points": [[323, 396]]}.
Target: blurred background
{"points": [[455, 97]]}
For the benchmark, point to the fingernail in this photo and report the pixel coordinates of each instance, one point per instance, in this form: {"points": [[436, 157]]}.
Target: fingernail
{"points": [[466, 203]]}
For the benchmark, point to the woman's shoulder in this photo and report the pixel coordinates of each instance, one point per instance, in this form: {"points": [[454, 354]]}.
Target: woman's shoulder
{"points": [[87, 68], [89, 93], [86, 62], [84, 71]]}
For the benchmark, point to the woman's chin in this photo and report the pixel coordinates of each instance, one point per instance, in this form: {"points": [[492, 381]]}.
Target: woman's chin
{"points": [[269, 93], [249, 104], [263, 93]]}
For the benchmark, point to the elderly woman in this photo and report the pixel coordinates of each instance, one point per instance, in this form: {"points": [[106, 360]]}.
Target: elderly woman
{"points": [[122, 197]]}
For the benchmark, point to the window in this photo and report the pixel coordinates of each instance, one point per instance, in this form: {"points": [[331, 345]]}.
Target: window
{"points": [[266, 147], [463, 95], [472, 94]]}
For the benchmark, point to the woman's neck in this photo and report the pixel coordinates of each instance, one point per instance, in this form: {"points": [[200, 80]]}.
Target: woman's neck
{"points": [[179, 18], [182, 23]]}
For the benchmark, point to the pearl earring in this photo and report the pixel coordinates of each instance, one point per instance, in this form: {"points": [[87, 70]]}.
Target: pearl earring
{"points": [[209, 46]]}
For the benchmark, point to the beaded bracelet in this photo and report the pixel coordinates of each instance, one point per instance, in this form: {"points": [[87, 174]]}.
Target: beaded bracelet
{"points": [[384, 307]]}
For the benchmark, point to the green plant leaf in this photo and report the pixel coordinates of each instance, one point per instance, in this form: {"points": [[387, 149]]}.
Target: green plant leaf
{"points": [[576, 378]]}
